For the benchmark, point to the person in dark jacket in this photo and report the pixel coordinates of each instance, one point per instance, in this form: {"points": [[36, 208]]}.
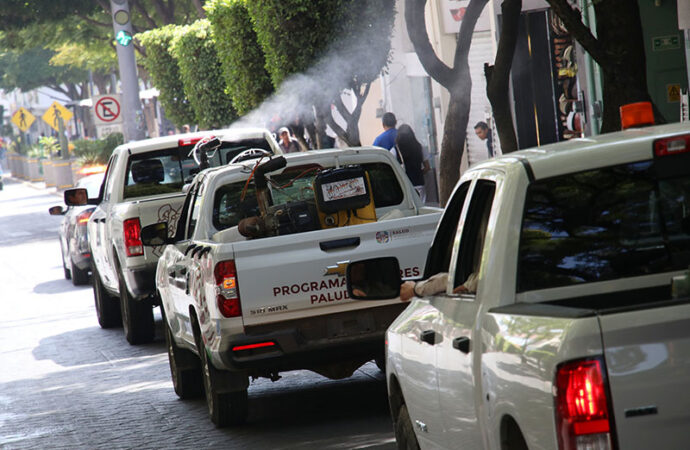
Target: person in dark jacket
{"points": [[409, 152]]}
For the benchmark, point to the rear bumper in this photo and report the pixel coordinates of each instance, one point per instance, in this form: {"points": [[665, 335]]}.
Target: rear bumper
{"points": [[82, 260], [141, 282], [313, 342]]}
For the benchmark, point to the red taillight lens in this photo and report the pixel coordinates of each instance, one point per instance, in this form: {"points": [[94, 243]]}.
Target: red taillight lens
{"points": [[582, 414], [228, 298], [132, 232], [239, 348], [83, 218], [672, 145]]}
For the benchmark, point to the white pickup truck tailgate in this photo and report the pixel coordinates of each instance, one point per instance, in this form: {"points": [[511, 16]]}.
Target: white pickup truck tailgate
{"points": [[648, 360], [303, 274]]}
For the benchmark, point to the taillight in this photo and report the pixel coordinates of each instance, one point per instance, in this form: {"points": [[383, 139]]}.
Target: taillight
{"points": [[228, 298], [582, 414], [83, 218], [672, 145], [132, 232]]}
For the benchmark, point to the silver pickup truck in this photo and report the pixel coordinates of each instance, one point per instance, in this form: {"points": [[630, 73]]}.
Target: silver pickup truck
{"points": [[555, 313], [143, 185], [254, 281]]}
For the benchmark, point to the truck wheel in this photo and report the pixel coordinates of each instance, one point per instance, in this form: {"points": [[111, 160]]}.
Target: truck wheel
{"points": [[137, 316], [404, 433], [107, 307], [79, 277], [68, 274], [225, 408], [184, 368]]}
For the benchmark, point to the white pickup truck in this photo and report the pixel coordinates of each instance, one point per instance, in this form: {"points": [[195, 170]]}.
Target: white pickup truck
{"points": [[143, 185], [254, 283], [576, 333]]}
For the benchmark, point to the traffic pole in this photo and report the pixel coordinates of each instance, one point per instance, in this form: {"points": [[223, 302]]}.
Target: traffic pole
{"points": [[133, 116]]}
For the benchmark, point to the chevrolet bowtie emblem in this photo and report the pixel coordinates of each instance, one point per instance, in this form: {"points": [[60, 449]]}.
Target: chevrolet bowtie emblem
{"points": [[338, 269]]}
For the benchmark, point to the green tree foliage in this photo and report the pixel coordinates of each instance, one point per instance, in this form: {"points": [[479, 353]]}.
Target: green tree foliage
{"points": [[31, 69], [241, 57], [165, 74], [342, 44], [17, 14], [202, 78], [90, 151]]}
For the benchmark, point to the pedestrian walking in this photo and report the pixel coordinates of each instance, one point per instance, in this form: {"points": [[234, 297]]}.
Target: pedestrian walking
{"points": [[387, 138], [410, 152]]}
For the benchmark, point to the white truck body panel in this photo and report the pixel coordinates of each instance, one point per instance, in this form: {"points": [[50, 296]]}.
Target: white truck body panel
{"points": [[281, 279], [106, 223], [518, 338]]}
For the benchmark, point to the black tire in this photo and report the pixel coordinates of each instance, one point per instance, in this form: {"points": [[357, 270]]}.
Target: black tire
{"points": [[68, 274], [79, 277], [381, 364], [107, 306], [404, 432], [137, 316], [185, 368], [224, 408]]}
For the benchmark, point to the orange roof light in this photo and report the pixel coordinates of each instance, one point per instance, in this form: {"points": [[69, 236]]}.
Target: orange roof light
{"points": [[636, 115]]}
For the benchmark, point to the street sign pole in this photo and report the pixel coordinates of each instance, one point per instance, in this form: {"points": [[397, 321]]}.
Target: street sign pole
{"points": [[131, 105]]}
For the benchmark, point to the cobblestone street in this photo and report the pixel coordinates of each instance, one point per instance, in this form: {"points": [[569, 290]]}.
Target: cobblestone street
{"points": [[67, 383]]}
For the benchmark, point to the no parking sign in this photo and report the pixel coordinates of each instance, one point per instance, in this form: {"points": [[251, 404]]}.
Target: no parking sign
{"points": [[106, 109]]}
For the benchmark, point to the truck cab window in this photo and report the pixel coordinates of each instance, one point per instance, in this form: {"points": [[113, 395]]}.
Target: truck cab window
{"points": [[108, 181], [473, 234], [604, 224], [438, 258]]}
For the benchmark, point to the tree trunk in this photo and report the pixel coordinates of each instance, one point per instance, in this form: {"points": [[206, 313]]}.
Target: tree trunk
{"points": [[452, 145], [619, 51], [625, 68], [498, 76], [457, 80]]}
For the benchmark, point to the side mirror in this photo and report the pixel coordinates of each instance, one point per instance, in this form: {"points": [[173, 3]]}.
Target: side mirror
{"points": [[155, 235], [76, 197], [374, 279], [57, 211]]}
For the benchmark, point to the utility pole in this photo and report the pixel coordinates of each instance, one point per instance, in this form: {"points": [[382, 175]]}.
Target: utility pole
{"points": [[133, 117]]}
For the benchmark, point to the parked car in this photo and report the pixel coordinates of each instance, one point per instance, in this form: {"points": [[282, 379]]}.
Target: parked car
{"points": [[74, 244]]}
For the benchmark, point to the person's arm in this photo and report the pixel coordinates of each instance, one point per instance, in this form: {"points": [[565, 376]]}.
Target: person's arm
{"points": [[431, 286]]}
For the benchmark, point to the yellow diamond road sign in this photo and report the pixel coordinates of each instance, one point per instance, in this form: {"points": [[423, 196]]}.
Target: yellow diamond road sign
{"points": [[23, 119], [54, 113]]}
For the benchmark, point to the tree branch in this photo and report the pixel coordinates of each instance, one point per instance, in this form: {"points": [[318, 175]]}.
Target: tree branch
{"points": [[199, 8], [416, 29], [572, 19], [144, 13], [94, 22]]}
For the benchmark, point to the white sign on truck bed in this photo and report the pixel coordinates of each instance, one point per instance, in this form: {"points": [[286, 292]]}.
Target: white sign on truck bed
{"points": [[254, 283]]}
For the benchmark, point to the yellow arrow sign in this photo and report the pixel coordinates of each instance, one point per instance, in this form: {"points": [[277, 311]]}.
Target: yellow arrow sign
{"points": [[23, 119], [54, 113]]}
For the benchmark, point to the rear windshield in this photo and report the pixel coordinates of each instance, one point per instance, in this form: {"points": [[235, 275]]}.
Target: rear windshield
{"points": [[158, 172], [229, 149], [615, 222], [295, 184]]}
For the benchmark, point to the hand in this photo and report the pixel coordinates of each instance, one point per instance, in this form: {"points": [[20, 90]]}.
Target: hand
{"points": [[406, 291], [358, 292]]}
